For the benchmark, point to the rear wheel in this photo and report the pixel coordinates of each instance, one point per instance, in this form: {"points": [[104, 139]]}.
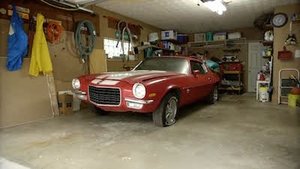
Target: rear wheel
{"points": [[100, 111], [213, 96], [165, 115]]}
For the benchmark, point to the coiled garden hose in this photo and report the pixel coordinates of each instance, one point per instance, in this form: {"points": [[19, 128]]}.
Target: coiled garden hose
{"points": [[85, 48]]}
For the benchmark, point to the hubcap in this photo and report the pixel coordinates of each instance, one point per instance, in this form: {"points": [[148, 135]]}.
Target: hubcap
{"points": [[171, 110], [216, 94]]}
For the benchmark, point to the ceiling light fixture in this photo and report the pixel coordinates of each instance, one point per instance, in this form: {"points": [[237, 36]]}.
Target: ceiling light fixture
{"points": [[217, 6]]}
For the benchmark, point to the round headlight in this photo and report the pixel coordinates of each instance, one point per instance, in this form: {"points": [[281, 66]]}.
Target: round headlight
{"points": [[139, 90], [76, 84]]}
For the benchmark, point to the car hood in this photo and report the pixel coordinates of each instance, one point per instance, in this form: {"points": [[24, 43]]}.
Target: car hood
{"points": [[136, 76]]}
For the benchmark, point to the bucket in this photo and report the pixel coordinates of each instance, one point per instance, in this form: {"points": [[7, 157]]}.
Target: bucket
{"points": [[293, 99], [263, 94]]}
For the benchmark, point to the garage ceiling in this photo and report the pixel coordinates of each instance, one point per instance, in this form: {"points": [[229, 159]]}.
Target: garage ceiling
{"points": [[185, 16]]}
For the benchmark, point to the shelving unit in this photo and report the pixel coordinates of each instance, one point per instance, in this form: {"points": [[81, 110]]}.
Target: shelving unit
{"points": [[231, 81], [261, 95]]}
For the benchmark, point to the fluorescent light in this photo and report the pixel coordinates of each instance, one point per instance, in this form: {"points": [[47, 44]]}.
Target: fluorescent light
{"points": [[215, 6]]}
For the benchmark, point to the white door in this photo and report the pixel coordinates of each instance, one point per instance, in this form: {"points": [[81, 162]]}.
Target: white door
{"points": [[255, 63]]}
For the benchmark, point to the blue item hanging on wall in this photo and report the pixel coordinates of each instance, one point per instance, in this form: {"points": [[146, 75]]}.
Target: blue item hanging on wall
{"points": [[17, 43]]}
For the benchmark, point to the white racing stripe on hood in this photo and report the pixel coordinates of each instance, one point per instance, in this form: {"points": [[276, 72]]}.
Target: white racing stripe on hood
{"points": [[104, 82], [122, 75], [108, 82]]}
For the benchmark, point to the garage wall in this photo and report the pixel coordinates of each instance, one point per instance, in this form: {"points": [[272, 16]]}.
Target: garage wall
{"points": [[25, 99], [280, 35], [22, 98], [66, 64]]}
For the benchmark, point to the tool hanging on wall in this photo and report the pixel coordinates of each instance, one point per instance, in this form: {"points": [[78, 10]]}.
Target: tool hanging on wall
{"points": [[291, 39], [54, 32], [122, 32]]}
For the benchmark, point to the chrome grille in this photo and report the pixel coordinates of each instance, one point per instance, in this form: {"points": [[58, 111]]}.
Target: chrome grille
{"points": [[104, 96]]}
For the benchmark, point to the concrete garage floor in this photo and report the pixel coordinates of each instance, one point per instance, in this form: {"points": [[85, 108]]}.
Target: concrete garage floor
{"points": [[235, 133]]}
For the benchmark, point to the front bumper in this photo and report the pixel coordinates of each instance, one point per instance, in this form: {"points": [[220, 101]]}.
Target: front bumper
{"points": [[126, 104], [80, 95], [136, 104]]}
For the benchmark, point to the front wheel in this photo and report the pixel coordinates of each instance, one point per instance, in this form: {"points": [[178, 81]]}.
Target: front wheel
{"points": [[213, 96], [165, 115]]}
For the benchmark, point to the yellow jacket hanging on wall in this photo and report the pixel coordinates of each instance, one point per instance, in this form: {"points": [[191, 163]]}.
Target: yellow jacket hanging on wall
{"points": [[40, 56]]}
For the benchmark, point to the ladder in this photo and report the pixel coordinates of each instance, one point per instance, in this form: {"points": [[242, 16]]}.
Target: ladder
{"points": [[285, 84]]}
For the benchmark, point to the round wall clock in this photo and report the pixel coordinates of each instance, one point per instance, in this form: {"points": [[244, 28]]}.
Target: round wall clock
{"points": [[279, 19]]}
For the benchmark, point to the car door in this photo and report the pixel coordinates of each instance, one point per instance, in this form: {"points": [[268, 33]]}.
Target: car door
{"points": [[202, 79]]}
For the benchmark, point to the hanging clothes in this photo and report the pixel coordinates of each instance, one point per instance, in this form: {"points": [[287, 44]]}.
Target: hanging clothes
{"points": [[40, 56], [17, 43]]}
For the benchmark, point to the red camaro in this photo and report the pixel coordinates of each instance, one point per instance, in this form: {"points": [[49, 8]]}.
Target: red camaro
{"points": [[158, 85]]}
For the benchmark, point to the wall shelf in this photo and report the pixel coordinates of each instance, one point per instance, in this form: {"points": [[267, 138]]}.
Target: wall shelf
{"points": [[267, 43], [217, 44]]}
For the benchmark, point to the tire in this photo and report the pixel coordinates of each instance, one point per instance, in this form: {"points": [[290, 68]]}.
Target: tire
{"points": [[213, 97], [100, 111], [165, 115]]}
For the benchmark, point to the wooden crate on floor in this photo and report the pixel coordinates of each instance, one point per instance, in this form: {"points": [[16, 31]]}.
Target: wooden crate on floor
{"points": [[65, 103]]}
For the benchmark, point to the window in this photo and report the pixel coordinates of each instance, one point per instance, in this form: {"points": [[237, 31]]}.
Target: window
{"points": [[111, 50], [198, 66]]}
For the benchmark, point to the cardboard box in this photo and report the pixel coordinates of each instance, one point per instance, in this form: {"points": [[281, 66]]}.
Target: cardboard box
{"points": [[220, 36], [234, 35], [199, 37], [168, 35], [65, 103], [153, 37], [182, 38]]}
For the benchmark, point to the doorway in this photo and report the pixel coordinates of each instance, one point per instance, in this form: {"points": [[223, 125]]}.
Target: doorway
{"points": [[255, 63]]}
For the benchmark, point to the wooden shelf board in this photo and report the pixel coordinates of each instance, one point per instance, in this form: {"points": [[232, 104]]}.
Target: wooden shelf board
{"points": [[267, 43], [211, 44]]}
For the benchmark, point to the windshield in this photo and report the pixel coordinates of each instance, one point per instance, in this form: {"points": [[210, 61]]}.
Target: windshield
{"points": [[179, 65]]}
